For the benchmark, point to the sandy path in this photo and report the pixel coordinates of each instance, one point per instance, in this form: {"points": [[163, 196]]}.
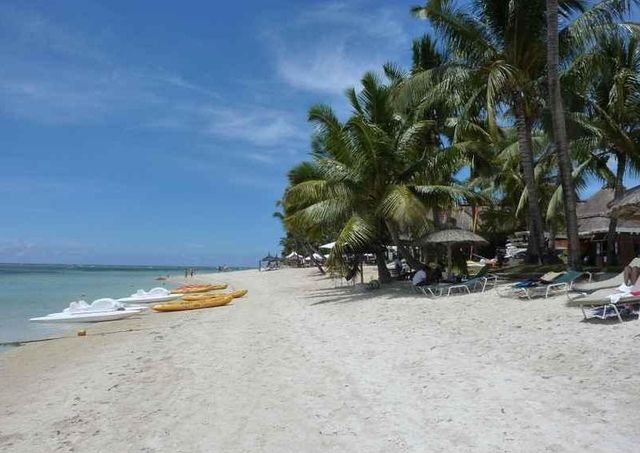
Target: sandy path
{"points": [[301, 366]]}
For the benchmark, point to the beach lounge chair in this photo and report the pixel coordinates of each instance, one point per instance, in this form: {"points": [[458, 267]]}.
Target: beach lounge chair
{"points": [[519, 289], [481, 279], [563, 283], [433, 290], [604, 303]]}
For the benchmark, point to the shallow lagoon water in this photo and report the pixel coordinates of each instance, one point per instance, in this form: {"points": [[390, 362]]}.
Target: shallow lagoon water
{"points": [[30, 290]]}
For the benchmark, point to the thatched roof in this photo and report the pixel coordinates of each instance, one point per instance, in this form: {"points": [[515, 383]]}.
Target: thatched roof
{"points": [[454, 236], [628, 207], [593, 215], [455, 218]]}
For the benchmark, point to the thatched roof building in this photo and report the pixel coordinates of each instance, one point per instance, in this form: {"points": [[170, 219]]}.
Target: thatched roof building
{"points": [[628, 207], [594, 218], [593, 227]]}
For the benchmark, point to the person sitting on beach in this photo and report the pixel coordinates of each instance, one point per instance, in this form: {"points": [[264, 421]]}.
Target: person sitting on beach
{"points": [[631, 274], [420, 278]]}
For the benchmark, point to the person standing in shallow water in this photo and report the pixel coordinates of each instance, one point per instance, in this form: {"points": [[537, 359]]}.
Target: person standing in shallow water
{"points": [[186, 273]]}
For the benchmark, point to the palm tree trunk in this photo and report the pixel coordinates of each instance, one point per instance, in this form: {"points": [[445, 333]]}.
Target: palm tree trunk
{"points": [[560, 136], [618, 192], [552, 238], [313, 259], [383, 272], [535, 249]]}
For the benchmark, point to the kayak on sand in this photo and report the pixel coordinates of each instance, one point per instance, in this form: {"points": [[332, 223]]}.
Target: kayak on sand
{"points": [[194, 305]]}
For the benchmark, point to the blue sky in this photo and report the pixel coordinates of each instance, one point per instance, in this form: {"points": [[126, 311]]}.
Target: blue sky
{"points": [[162, 135], [132, 134]]}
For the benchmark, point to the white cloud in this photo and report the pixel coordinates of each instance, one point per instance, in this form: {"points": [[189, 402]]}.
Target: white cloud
{"points": [[258, 126], [35, 31], [180, 82], [56, 77], [16, 249], [324, 69], [37, 251], [329, 47], [357, 18], [53, 75]]}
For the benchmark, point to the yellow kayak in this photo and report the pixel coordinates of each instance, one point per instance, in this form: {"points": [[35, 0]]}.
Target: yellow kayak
{"points": [[238, 293], [198, 297], [198, 288], [194, 305]]}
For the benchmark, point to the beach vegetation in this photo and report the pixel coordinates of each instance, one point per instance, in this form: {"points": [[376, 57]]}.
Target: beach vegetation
{"points": [[507, 107]]}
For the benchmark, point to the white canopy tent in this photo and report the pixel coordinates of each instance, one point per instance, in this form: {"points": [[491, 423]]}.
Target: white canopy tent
{"points": [[316, 257]]}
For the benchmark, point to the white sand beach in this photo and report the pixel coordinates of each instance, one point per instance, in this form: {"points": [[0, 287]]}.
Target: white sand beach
{"points": [[300, 366]]}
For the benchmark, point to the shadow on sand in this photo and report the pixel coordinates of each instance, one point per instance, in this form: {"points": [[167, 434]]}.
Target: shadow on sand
{"points": [[360, 293]]}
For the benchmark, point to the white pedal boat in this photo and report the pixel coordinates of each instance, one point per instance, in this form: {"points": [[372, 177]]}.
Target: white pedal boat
{"points": [[153, 296], [99, 310], [86, 317]]}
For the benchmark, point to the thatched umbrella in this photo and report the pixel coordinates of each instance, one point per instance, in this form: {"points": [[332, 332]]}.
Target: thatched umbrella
{"points": [[628, 207], [451, 237]]}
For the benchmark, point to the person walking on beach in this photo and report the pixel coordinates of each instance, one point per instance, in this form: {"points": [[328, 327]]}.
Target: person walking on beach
{"points": [[191, 273]]}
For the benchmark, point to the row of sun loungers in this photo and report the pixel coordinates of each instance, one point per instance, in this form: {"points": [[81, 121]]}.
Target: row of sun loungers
{"points": [[481, 281], [596, 300]]}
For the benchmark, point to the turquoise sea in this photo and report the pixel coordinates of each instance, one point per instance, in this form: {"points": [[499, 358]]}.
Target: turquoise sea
{"points": [[30, 290]]}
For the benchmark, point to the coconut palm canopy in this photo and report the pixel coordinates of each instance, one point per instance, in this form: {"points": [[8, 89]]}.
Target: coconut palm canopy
{"points": [[475, 98], [454, 236], [628, 207]]}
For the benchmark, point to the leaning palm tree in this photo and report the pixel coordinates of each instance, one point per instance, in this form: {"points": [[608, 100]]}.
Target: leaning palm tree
{"points": [[374, 175]]}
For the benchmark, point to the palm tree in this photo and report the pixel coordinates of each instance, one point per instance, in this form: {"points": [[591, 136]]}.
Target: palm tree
{"points": [[500, 51], [495, 169], [560, 135], [609, 76], [374, 175], [498, 56]]}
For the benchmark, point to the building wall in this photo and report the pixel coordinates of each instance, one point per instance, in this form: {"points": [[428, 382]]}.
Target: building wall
{"points": [[628, 247]]}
